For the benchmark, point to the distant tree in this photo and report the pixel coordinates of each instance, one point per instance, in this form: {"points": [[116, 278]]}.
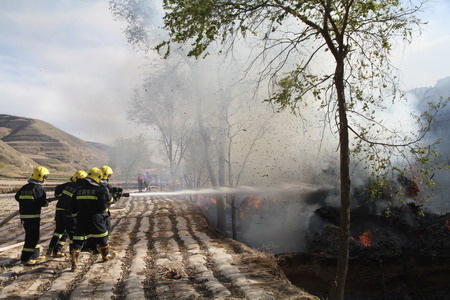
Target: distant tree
{"points": [[130, 156], [234, 123], [193, 168], [162, 104]]}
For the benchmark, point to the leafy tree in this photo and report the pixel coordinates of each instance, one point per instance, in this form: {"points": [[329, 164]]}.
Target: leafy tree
{"points": [[355, 37]]}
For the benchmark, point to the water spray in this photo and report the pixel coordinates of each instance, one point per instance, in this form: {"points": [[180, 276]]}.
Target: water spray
{"points": [[286, 188]]}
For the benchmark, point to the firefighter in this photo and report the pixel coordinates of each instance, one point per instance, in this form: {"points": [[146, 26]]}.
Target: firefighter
{"points": [[31, 198], [115, 192], [91, 206], [114, 196], [64, 221]]}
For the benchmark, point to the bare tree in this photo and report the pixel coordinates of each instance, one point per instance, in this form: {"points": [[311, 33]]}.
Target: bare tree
{"points": [[162, 104], [194, 164], [234, 123]]}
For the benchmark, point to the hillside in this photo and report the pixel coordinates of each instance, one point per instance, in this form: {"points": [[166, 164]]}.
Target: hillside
{"points": [[26, 142]]}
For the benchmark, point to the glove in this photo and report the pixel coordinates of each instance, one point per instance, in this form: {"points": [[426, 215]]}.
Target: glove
{"points": [[116, 193]]}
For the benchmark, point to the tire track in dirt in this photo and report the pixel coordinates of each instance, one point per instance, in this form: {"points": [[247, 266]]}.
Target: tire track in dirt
{"points": [[198, 262], [224, 266], [172, 281], [202, 289], [131, 284], [150, 272], [188, 210]]}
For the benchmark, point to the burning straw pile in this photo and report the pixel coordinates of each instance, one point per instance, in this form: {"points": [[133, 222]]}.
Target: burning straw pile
{"points": [[405, 232]]}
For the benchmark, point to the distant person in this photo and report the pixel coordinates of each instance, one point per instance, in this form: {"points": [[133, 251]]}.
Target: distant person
{"points": [[64, 221], [141, 182], [91, 206], [31, 198], [148, 180]]}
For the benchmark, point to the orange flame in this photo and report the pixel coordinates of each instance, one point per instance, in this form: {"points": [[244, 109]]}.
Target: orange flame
{"points": [[257, 203], [366, 238], [447, 223]]}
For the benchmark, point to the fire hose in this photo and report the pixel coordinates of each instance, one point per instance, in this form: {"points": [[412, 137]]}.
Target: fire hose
{"points": [[6, 220]]}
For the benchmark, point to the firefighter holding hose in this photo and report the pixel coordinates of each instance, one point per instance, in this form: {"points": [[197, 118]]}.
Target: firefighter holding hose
{"points": [[64, 221], [91, 206], [32, 198], [114, 192], [114, 195]]}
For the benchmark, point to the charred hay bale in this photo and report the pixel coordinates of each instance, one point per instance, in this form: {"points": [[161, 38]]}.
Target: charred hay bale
{"points": [[383, 244], [325, 241], [433, 238]]}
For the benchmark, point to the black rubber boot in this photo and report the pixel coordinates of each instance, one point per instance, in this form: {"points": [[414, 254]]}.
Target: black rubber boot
{"points": [[106, 254]]}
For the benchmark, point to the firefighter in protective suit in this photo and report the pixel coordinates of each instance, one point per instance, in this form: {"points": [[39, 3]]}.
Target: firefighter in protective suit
{"points": [[64, 221], [90, 205], [31, 198], [107, 173], [115, 192]]}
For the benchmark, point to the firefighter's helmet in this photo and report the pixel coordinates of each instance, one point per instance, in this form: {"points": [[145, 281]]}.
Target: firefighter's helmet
{"points": [[40, 173], [78, 175], [107, 172], [95, 174]]}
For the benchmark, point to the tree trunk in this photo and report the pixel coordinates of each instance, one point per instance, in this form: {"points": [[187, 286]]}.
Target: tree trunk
{"points": [[221, 222], [233, 217], [338, 286], [221, 210]]}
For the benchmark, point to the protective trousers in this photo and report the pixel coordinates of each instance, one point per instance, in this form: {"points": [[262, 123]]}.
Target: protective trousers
{"points": [[31, 249], [91, 229], [60, 234]]}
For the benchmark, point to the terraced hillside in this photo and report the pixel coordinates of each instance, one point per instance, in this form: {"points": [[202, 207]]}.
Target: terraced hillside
{"points": [[34, 142], [166, 250]]}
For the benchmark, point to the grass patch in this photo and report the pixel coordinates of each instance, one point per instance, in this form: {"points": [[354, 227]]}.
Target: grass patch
{"points": [[63, 169]]}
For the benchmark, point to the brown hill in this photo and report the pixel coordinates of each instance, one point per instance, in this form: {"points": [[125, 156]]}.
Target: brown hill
{"points": [[10, 156], [30, 142]]}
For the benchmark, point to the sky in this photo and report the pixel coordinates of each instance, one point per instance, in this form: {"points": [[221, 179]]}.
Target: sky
{"points": [[68, 63]]}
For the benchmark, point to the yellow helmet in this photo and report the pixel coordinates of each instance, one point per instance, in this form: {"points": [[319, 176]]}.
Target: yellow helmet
{"points": [[95, 174], [107, 171], [40, 173], [78, 175]]}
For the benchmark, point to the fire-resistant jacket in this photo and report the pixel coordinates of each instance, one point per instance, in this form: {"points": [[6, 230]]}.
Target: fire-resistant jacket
{"points": [[90, 198], [64, 192], [31, 198], [110, 189]]}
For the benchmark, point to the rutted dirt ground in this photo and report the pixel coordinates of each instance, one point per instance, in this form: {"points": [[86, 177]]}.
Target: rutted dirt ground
{"points": [[166, 250]]}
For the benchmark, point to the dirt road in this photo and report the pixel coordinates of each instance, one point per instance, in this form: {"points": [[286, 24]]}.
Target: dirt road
{"points": [[166, 250]]}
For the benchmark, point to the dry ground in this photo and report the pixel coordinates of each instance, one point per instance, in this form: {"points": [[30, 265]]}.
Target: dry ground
{"points": [[166, 250]]}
